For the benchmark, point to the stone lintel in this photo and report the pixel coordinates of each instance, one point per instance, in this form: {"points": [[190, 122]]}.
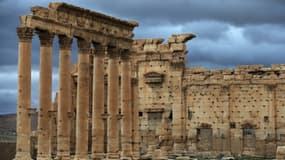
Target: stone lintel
{"points": [[154, 109]]}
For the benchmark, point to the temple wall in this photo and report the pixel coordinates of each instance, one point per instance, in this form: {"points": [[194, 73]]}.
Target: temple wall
{"points": [[236, 111]]}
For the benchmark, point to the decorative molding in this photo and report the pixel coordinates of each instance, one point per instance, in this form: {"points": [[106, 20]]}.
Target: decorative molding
{"points": [[113, 52], [83, 46], [25, 34], [46, 38], [153, 78], [154, 110], [64, 42], [99, 49]]}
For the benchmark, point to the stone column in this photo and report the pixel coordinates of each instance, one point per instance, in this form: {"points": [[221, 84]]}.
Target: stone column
{"points": [[112, 103], [135, 120], [63, 127], [98, 103], [24, 93], [82, 109], [45, 93], [126, 105]]}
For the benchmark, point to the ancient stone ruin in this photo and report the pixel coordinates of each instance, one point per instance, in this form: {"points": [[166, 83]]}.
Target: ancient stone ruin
{"points": [[135, 99]]}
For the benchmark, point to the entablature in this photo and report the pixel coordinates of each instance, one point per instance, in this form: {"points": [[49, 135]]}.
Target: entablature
{"points": [[72, 21]]}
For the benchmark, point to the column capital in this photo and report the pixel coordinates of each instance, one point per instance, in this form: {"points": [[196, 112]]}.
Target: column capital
{"points": [[100, 49], [25, 34], [125, 55], [83, 45], [46, 38], [64, 42], [113, 52]]}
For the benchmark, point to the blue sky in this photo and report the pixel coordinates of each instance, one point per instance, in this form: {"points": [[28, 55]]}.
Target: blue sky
{"points": [[229, 33]]}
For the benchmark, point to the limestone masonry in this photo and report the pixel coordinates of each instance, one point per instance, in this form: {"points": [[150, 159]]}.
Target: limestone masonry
{"points": [[135, 99]]}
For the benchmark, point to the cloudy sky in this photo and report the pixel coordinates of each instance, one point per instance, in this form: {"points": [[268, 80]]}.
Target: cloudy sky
{"points": [[229, 33]]}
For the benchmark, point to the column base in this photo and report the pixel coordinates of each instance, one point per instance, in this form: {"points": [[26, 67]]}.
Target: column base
{"points": [[113, 156], [23, 156], [98, 156]]}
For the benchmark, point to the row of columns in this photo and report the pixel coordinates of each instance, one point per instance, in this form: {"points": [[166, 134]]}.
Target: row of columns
{"points": [[64, 99]]}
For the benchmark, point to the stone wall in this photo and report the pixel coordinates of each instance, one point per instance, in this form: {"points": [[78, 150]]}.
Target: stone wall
{"points": [[241, 106], [157, 65], [198, 111]]}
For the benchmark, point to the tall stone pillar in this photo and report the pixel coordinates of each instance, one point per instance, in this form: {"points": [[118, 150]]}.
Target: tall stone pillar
{"points": [[135, 120], [112, 103], [98, 103], [24, 93], [45, 93], [126, 95], [63, 127], [178, 112], [82, 109]]}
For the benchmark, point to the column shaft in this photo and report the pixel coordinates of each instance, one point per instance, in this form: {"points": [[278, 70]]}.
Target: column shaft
{"points": [[112, 102], [82, 110], [45, 93], [126, 106], [24, 93], [98, 103], [64, 98], [135, 119]]}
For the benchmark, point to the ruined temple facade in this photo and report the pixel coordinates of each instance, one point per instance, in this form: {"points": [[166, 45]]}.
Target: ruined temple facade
{"points": [[136, 99]]}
